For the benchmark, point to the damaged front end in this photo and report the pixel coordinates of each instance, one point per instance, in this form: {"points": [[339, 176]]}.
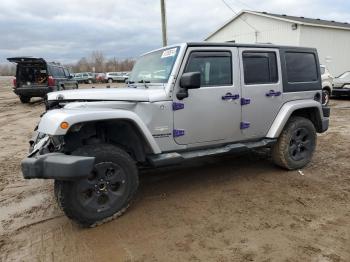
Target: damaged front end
{"points": [[47, 160]]}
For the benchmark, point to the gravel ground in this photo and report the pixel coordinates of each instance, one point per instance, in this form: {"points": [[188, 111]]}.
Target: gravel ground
{"points": [[232, 208]]}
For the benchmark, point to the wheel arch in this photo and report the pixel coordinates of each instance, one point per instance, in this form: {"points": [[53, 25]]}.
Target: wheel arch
{"points": [[124, 133], [309, 109], [118, 121]]}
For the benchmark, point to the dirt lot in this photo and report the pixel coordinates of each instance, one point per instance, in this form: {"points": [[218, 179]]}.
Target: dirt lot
{"points": [[233, 208]]}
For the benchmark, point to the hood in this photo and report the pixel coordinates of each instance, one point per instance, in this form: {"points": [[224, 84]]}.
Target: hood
{"points": [[110, 94]]}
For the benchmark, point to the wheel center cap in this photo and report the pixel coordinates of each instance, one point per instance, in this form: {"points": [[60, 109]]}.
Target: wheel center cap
{"points": [[102, 186]]}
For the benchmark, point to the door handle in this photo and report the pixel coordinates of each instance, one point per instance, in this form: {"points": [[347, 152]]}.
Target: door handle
{"points": [[229, 96], [273, 93]]}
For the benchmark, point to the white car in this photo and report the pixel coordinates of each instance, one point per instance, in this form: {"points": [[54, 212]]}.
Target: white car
{"points": [[341, 85], [116, 77], [327, 84]]}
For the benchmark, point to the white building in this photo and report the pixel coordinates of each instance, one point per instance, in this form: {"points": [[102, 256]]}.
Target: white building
{"points": [[332, 39]]}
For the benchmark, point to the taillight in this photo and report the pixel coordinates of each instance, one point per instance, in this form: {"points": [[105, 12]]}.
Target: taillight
{"points": [[14, 82], [50, 81]]}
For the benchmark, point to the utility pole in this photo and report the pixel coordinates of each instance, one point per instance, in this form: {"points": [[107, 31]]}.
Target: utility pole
{"points": [[163, 13]]}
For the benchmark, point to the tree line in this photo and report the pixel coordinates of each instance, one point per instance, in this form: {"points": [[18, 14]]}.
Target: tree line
{"points": [[96, 62]]}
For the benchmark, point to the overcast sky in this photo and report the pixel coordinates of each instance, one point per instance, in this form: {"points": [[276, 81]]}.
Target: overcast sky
{"points": [[67, 30]]}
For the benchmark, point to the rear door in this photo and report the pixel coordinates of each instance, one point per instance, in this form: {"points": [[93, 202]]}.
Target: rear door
{"points": [[261, 90], [210, 114], [69, 82]]}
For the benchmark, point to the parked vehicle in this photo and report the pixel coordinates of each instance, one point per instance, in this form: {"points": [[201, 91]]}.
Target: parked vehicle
{"points": [[116, 77], [341, 85], [35, 77], [84, 77], [209, 99], [100, 77], [327, 84]]}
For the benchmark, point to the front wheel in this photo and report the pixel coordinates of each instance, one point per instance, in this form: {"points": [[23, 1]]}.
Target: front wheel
{"points": [[296, 144], [106, 193]]}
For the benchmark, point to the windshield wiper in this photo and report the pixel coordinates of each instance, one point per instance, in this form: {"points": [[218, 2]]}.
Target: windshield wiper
{"points": [[142, 81]]}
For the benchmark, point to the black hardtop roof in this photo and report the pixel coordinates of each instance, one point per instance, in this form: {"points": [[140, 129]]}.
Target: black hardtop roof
{"points": [[30, 59], [231, 44]]}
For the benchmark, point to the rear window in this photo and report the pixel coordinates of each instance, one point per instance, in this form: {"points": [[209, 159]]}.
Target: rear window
{"points": [[260, 68], [301, 67]]}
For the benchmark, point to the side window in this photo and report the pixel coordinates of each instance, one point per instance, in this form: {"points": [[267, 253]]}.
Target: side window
{"points": [[66, 72], [323, 70], [260, 68], [301, 67], [215, 67], [57, 71]]}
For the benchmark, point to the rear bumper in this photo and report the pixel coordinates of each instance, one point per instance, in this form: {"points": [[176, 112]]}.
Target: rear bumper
{"points": [[32, 91], [341, 92], [57, 166]]}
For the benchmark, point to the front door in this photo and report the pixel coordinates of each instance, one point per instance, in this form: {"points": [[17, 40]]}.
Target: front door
{"points": [[211, 113], [261, 90]]}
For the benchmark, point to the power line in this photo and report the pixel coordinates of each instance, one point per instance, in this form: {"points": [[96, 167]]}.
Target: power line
{"points": [[256, 31], [245, 4], [236, 13]]}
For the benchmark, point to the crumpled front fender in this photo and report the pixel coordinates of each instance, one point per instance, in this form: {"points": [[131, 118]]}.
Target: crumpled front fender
{"points": [[50, 122]]}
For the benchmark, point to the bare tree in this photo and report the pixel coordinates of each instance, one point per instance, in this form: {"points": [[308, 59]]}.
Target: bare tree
{"points": [[98, 61]]}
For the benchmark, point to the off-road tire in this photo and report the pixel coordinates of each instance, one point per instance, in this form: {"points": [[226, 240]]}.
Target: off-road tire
{"points": [[283, 151], [326, 95], [67, 193], [24, 99]]}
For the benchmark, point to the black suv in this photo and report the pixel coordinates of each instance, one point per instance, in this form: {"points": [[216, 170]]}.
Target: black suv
{"points": [[35, 78]]}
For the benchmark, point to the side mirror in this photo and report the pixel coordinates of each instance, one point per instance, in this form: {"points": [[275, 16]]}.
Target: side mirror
{"points": [[191, 80]]}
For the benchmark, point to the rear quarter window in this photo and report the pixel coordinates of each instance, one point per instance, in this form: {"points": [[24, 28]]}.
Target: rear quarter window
{"points": [[57, 71], [301, 67]]}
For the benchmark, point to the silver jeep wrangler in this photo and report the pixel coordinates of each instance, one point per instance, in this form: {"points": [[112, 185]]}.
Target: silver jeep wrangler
{"points": [[181, 102]]}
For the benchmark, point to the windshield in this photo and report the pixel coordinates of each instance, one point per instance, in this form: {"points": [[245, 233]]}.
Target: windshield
{"points": [[154, 67], [344, 75]]}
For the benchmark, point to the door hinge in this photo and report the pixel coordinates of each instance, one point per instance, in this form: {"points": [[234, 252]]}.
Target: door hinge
{"points": [[245, 125], [178, 132], [245, 101], [178, 106]]}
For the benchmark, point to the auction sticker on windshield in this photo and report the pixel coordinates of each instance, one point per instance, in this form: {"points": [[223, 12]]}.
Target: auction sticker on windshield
{"points": [[169, 53]]}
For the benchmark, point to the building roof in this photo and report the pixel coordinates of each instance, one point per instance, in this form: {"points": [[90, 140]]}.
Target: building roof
{"points": [[292, 19], [305, 20]]}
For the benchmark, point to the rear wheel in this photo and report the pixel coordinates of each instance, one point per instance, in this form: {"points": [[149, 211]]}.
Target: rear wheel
{"points": [[24, 99], [325, 97], [106, 193], [296, 144]]}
